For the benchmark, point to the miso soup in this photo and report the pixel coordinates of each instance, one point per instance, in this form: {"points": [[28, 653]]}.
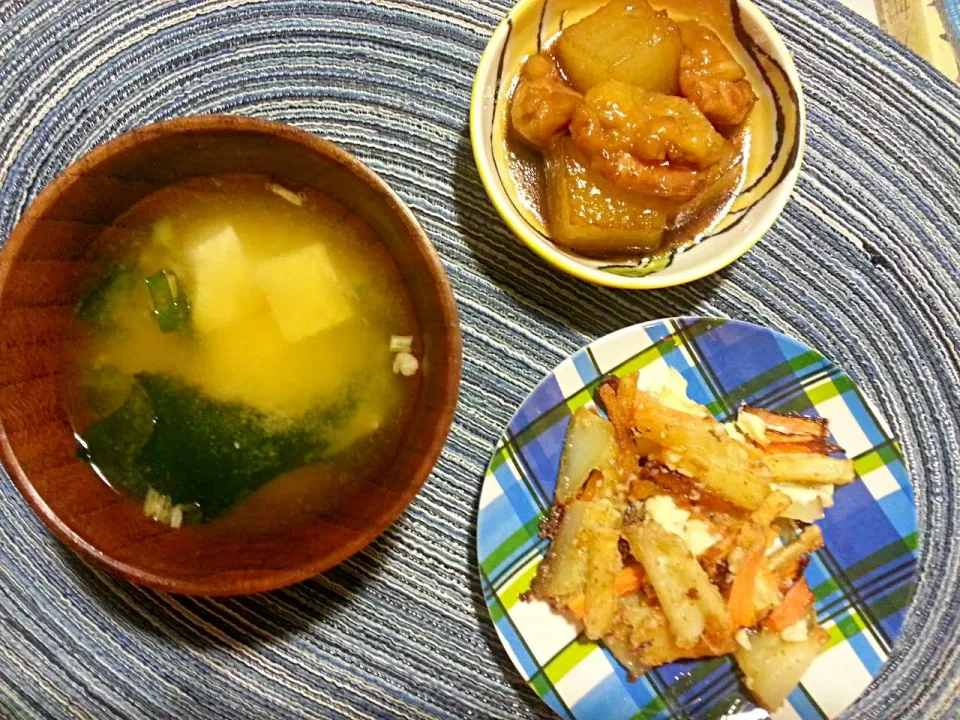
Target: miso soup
{"points": [[241, 342]]}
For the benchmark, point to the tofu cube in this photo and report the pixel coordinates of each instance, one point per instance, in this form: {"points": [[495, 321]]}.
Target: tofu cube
{"points": [[224, 285], [304, 293]]}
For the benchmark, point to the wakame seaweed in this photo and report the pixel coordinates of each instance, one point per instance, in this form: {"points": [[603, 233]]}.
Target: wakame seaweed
{"points": [[201, 450], [114, 443], [97, 303]]}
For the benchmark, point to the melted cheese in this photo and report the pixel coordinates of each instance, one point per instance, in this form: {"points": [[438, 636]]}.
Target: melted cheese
{"points": [[797, 632], [696, 534], [669, 387], [753, 427]]}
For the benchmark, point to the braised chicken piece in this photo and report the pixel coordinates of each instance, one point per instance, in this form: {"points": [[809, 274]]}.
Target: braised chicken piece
{"points": [[712, 79], [543, 104], [648, 142]]}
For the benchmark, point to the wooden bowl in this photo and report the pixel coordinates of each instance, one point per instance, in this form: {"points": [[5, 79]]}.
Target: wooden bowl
{"points": [[42, 269]]}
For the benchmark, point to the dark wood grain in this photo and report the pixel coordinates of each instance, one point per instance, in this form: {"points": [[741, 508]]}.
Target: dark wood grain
{"points": [[42, 268]]}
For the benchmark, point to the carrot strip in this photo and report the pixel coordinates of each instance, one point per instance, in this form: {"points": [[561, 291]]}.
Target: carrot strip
{"points": [[641, 489], [629, 581], [788, 448], [577, 606], [740, 603], [794, 607]]}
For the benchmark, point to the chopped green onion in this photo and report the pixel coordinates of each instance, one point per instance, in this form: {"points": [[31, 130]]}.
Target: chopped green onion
{"points": [[401, 343], [170, 305], [289, 195], [159, 507]]}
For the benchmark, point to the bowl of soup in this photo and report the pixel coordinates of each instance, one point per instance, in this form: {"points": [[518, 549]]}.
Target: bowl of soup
{"points": [[231, 355], [637, 144]]}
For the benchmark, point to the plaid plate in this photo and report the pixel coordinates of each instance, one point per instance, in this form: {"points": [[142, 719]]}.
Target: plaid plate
{"points": [[863, 579]]}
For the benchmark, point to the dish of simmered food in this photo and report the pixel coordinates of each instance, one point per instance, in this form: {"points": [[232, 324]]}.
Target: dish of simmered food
{"points": [[674, 536], [241, 339], [629, 131]]}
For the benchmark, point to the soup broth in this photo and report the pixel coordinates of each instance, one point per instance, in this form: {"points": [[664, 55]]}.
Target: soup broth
{"points": [[239, 332]]}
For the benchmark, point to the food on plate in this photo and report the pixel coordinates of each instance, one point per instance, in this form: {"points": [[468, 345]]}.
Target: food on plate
{"points": [[590, 210], [646, 142], [237, 332], [624, 40], [711, 78], [637, 124], [674, 536], [543, 104]]}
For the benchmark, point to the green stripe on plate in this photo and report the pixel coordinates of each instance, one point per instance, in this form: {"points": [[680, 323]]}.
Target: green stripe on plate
{"points": [[498, 459], [881, 557], [884, 605], [824, 589], [497, 610], [845, 628], [770, 377], [510, 593], [581, 398], [568, 658], [645, 357], [829, 389], [550, 418], [804, 360], [541, 686], [510, 545], [717, 408], [879, 457], [911, 541], [651, 710], [894, 601]]}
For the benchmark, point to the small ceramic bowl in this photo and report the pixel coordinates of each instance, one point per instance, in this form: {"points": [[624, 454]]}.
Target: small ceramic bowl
{"points": [[777, 129], [43, 268]]}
